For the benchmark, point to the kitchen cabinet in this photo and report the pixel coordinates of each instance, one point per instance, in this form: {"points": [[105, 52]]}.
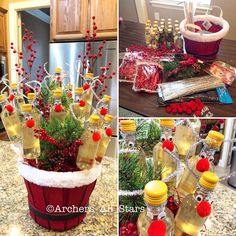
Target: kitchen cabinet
{"points": [[70, 19], [3, 47]]}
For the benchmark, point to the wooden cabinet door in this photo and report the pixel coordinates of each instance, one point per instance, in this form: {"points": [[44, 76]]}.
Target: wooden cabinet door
{"points": [[2, 32], [69, 19], [105, 12]]}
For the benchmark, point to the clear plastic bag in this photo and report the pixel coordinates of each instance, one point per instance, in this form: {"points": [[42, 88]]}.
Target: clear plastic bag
{"points": [[148, 75]]}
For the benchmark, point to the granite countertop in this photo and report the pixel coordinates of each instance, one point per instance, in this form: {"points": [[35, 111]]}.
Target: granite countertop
{"points": [[15, 220]]}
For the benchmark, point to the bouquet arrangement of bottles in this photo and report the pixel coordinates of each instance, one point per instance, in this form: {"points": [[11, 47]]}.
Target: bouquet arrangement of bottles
{"points": [[58, 126], [193, 184]]}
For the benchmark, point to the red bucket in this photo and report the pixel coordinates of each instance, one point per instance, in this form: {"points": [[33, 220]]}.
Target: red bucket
{"points": [[58, 208]]}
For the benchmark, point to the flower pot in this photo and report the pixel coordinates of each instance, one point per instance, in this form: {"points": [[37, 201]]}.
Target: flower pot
{"points": [[57, 200]]}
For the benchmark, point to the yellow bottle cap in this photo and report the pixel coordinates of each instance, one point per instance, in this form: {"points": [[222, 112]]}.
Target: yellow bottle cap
{"points": [[217, 138], [57, 93], [108, 118], [94, 119], [155, 193], [58, 70], [89, 75], [209, 180], [106, 98], [79, 90], [26, 107], [69, 86], [31, 96], [2, 97], [169, 123], [13, 86], [127, 126]]}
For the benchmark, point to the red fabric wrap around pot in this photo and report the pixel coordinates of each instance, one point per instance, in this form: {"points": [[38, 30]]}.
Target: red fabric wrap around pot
{"points": [[42, 199]]}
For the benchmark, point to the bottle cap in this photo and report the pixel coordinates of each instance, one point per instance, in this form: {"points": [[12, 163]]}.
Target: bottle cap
{"points": [[162, 20], [94, 119], [217, 138], [58, 70], [155, 22], [13, 86], [108, 118], [26, 107], [57, 93], [155, 193], [148, 21], [127, 126], [69, 86], [169, 123], [209, 180], [31, 96], [106, 98], [147, 29], [169, 19], [2, 97], [79, 90], [89, 75]]}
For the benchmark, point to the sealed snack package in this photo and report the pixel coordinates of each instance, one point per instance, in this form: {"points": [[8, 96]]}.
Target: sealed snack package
{"points": [[148, 75], [172, 90]]}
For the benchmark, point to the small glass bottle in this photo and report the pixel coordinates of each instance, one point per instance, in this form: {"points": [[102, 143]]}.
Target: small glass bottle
{"points": [[106, 138], [155, 197], [161, 39], [186, 135], [162, 158], [31, 144], [90, 138], [69, 89], [57, 78], [10, 120], [147, 37], [200, 163], [35, 112], [179, 40], [103, 106], [79, 104], [18, 99], [88, 94], [148, 23], [169, 39], [57, 110], [195, 208]]}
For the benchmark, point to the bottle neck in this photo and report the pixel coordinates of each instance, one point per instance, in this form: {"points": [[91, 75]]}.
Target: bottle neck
{"points": [[166, 133], [57, 100], [93, 127], [129, 140], [156, 212], [202, 193], [208, 152]]}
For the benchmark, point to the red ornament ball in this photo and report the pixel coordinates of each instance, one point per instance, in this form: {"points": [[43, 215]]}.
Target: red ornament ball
{"points": [[204, 209], [168, 144], [9, 108], [58, 108], [11, 97], [203, 165], [109, 132], [30, 123], [103, 111], [69, 94], [86, 86], [157, 228], [96, 136], [82, 103]]}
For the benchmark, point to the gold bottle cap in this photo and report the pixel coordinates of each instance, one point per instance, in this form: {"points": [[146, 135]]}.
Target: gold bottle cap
{"points": [[153, 34], [89, 75], [169, 123], [148, 21], [94, 119], [127, 126], [13, 86], [209, 180], [155, 193], [26, 107], [2, 97], [147, 29], [217, 138], [57, 93], [58, 70], [109, 118], [69, 86], [31, 96], [106, 98], [162, 20], [79, 90], [155, 22]]}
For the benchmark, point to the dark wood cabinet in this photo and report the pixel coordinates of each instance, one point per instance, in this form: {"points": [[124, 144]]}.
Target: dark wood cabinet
{"points": [[3, 36]]}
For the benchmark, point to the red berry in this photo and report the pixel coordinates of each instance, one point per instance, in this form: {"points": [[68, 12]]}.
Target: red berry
{"points": [[58, 108], [30, 123], [203, 165], [204, 209], [221, 121], [109, 132], [9, 108], [86, 86], [82, 103], [103, 111], [96, 136], [168, 144], [198, 113], [216, 128]]}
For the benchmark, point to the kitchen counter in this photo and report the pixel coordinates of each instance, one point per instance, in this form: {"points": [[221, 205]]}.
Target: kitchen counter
{"points": [[15, 220]]}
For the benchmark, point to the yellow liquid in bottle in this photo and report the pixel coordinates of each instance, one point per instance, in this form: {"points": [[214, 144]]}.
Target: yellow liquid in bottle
{"points": [[59, 115], [184, 139], [187, 221], [144, 221], [88, 97], [12, 126], [79, 112], [87, 151], [102, 148], [188, 182], [18, 101]]}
